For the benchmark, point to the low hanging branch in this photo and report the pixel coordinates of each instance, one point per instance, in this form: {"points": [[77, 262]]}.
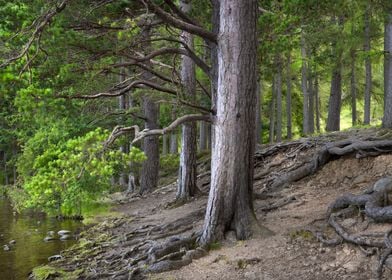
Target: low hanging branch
{"points": [[139, 135]]}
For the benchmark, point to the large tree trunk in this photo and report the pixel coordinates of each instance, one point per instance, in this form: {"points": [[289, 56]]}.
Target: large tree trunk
{"points": [[334, 104], [230, 203], [150, 167], [368, 67], [304, 86], [187, 169], [335, 98], [288, 97], [387, 120], [353, 88]]}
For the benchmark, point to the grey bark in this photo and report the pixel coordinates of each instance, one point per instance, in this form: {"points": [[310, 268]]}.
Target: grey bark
{"points": [[187, 170], [288, 98], [311, 101], [335, 98], [334, 104], [304, 86], [387, 120], [122, 105], [203, 136], [230, 204], [150, 167], [173, 143], [317, 100], [368, 68], [272, 112], [279, 100], [165, 144], [353, 89], [258, 129]]}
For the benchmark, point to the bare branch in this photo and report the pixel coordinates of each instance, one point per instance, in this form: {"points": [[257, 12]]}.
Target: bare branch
{"points": [[180, 13], [139, 135], [124, 90]]}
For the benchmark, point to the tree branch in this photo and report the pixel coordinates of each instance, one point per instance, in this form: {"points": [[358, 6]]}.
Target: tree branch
{"points": [[168, 18], [139, 135]]}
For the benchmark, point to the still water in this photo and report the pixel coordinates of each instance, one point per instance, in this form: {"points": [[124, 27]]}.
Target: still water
{"points": [[28, 231]]}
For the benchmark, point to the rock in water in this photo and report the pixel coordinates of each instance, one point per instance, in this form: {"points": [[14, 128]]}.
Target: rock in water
{"points": [[6, 248], [49, 238], [63, 232], [12, 242], [55, 258], [65, 237]]}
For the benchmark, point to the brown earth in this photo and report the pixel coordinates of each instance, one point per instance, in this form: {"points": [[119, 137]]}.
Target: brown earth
{"points": [[291, 253]]}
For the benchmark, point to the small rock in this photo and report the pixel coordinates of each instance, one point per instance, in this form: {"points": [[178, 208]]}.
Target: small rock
{"points": [[65, 237], [49, 238], [6, 248], [55, 258], [63, 232], [12, 242]]}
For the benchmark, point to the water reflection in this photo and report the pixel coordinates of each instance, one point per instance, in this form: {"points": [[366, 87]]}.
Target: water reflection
{"points": [[28, 231]]}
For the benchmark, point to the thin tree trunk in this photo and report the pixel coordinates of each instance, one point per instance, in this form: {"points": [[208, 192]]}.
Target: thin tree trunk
{"points": [[187, 170], [353, 88], [122, 104], [230, 203], [272, 113], [288, 97], [165, 144], [258, 129], [387, 120], [279, 100], [311, 101], [6, 179], [317, 100], [304, 86], [150, 167], [203, 136], [173, 143], [368, 68]]}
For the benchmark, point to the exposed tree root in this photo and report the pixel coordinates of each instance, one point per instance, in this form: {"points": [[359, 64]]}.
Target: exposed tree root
{"points": [[373, 204]]}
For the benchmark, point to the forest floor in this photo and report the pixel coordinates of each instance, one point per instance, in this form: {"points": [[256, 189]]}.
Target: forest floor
{"points": [[290, 253]]}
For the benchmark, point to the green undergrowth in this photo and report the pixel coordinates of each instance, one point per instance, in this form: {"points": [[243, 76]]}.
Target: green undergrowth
{"points": [[99, 211], [47, 272]]}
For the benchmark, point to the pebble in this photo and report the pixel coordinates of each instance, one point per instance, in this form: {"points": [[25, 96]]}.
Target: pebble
{"points": [[49, 238], [12, 242], [6, 248], [63, 232], [55, 258], [65, 237]]}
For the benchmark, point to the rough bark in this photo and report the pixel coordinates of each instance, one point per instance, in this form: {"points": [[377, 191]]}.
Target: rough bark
{"points": [[304, 86], [368, 67], [335, 98], [230, 203], [288, 98], [387, 120], [150, 167], [173, 143], [187, 170], [165, 144]]}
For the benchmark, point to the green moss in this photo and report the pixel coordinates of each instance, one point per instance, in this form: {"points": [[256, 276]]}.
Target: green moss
{"points": [[214, 246], [47, 272], [304, 234]]}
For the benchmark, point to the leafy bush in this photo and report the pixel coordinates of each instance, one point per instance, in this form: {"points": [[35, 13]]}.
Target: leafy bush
{"points": [[72, 172]]}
